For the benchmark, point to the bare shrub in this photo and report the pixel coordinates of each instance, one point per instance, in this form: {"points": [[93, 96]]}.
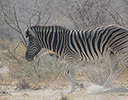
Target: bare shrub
{"points": [[91, 13], [43, 69], [63, 97], [97, 71]]}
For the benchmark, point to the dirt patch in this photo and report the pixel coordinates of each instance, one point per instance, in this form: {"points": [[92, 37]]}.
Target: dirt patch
{"points": [[58, 90]]}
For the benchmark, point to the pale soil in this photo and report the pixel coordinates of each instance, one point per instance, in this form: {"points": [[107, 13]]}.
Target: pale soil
{"points": [[58, 90]]}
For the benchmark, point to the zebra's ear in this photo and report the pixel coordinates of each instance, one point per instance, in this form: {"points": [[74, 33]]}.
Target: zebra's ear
{"points": [[29, 32]]}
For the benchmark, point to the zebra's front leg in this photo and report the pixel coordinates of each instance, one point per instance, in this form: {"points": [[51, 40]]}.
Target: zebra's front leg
{"points": [[113, 59], [70, 75]]}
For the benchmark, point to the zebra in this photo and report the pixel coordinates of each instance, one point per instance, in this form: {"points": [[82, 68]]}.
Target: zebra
{"points": [[75, 46]]}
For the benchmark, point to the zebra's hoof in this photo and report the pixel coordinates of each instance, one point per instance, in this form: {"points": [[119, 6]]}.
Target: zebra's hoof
{"points": [[82, 85], [72, 90]]}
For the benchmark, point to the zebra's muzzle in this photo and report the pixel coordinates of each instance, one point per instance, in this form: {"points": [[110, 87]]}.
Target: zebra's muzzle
{"points": [[28, 58]]}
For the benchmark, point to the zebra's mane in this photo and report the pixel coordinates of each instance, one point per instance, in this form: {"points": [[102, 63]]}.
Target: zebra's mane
{"points": [[38, 29], [55, 28]]}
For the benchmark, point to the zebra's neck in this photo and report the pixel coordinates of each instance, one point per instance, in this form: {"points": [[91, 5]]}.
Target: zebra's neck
{"points": [[53, 38]]}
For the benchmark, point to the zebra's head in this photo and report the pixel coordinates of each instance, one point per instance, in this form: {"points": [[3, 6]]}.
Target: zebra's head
{"points": [[34, 45]]}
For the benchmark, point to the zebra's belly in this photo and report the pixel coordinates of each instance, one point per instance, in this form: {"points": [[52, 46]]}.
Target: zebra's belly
{"points": [[94, 58]]}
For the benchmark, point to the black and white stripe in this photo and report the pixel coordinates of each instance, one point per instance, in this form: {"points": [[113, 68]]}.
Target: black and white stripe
{"points": [[80, 45]]}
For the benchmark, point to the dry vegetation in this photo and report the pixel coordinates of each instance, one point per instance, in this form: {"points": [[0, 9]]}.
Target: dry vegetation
{"points": [[44, 77], [41, 69]]}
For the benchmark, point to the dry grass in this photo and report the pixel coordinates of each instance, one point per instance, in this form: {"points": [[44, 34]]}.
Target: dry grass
{"points": [[43, 69], [97, 71], [64, 97]]}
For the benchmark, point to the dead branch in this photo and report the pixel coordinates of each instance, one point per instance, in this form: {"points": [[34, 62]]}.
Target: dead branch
{"points": [[125, 2], [39, 19], [38, 14], [36, 71], [47, 19], [51, 54], [112, 16], [17, 26], [12, 54], [18, 45]]}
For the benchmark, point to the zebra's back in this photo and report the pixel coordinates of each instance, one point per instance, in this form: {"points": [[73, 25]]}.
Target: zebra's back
{"points": [[92, 44]]}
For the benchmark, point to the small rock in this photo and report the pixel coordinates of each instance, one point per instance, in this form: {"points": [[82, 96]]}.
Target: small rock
{"points": [[4, 69]]}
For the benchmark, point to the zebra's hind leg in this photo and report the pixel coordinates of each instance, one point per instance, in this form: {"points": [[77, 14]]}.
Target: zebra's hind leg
{"points": [[113, 64]]}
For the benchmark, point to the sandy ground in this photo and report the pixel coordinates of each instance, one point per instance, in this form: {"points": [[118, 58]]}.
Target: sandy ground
{"points": [[50, 94], [119, 93], [58, 90]]}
